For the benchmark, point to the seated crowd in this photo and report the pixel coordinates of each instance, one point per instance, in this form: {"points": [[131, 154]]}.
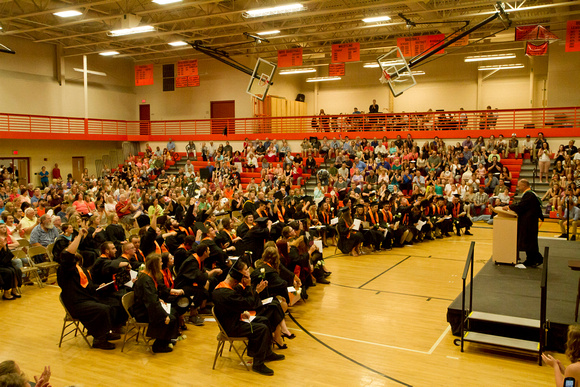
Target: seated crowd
{"points": [[198, 243]]}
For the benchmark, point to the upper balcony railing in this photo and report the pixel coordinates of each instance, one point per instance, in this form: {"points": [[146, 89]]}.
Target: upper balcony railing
{"points": [[505, 120]]}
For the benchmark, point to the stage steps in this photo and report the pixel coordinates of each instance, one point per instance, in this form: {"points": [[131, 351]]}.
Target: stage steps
{"points": [[503, 319], [478, 323], [502, 341]]}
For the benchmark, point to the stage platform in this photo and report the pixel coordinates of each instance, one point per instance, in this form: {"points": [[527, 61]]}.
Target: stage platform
{"points": [[505, 290]]}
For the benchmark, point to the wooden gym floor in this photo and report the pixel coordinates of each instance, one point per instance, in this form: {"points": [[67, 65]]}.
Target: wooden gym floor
{"points": [[381, 322]]}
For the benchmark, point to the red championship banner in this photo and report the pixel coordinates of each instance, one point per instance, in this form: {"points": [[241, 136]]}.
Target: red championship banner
{"points": [[347, 52], [181, 82], [573, 35], [290, 58], [336, 70], [187, 68], [534, 32], [144, 75], [523, 31], [461, 42], [415, 45], [536, 49], [193, 81]]}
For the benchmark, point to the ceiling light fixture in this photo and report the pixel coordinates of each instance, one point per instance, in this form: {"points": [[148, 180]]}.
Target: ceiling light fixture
{"points": [[478, 58], [130, 31], [272, 32], [179, 43], [501, 67], [67, 13], [288, 8], [376, 19], [163, 2], [109, 53], [323, 79], [298, 71]]}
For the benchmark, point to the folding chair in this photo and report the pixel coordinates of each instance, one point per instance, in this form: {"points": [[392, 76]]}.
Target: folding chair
{"points": [[41, 250], [30, 271], [128, 300], [222, 337], [68, 318]]}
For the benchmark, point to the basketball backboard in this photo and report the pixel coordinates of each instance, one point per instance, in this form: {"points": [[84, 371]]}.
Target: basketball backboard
{"points": [[261, 79], [396, 72]]}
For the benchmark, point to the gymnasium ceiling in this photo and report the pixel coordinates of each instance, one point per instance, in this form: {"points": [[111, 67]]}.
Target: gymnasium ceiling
{"points": [[221, 25]]}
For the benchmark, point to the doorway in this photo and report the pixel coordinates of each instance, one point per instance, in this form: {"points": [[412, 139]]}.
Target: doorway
{"points": [[78, 164], [222, 109], [145, 120], [22, 168]]}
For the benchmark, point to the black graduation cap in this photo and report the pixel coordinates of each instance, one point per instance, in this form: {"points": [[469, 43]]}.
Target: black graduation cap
{"points": [[235, 273], [279, 195], [374, 203], [246, 212], [143, 220], [201, 226], [385, 202], [366, 199], [307, 198], [203, 216], [440, 198], [424, 202], [360, 206], [457, 196], [264, 202], [261, 220], [343, 209]]}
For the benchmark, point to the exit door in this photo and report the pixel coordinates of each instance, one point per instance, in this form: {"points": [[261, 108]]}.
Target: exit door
{"points": [[78, 164], [222, 109], [144, 120]]}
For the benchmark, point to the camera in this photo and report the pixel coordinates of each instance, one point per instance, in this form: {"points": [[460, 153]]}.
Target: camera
{"points": [[569, 382]]}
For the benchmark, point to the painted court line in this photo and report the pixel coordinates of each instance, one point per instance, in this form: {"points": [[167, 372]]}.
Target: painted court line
{"points": [[435, 345]]}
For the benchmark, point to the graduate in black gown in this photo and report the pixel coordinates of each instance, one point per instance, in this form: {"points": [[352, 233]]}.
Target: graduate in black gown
{"points": [[349, 240], [150, 291], [234, 299], [10, 275], [98, 314], [460, 218], [196, 281], [383, 236]]}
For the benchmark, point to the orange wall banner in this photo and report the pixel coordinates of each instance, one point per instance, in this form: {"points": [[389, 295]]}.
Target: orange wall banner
{"points": [[290, 58], [336, 69], [536, 49], [573, 35], [461, 42], [347, 52], [415, 45], [187, 68], [144, 75], [181, 82], [193, 81]]}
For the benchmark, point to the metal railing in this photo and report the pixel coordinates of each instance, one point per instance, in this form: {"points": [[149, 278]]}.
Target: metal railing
{"points": [[503, 121], [466, 312]]}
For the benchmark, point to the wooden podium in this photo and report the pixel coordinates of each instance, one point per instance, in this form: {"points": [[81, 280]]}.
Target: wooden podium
{"points": [[505, 236]]}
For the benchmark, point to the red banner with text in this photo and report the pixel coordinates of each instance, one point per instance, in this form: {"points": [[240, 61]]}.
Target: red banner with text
{"points": [[336, 69], [347, 52], [290, 58], [573, 35], [415, 45], [187, 68], [144, 75], [536, 49]]}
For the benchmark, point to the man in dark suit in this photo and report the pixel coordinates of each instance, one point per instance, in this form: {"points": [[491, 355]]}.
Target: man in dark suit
{"points": [[529, 210]]}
